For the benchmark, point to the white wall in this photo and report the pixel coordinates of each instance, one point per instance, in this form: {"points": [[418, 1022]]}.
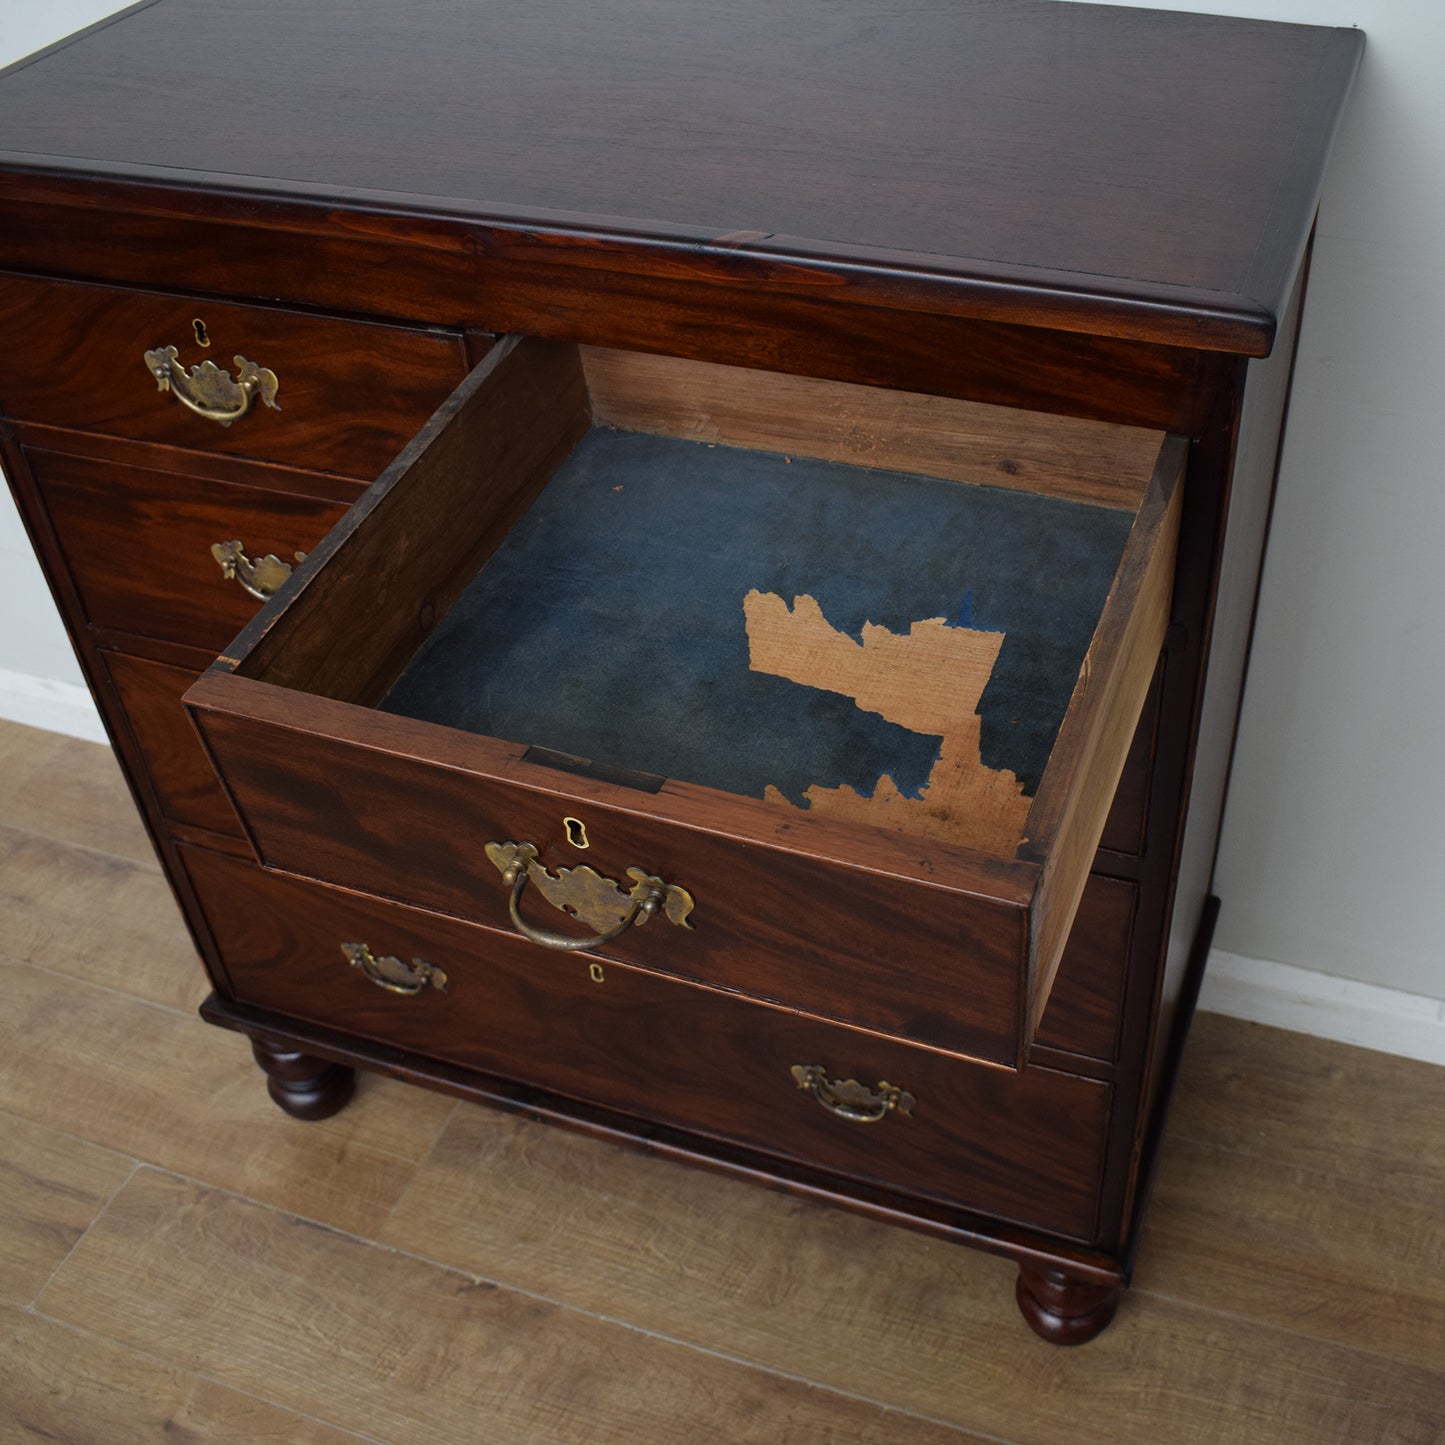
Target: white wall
{"points": [[39, 676], [1332, 857]]}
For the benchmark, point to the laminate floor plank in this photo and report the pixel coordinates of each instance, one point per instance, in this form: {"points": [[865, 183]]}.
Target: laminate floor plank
{"points": [[1289, 1286], [408, 1351], [51, 1187], [1312, 1253], [71, 790], [169, 1090], [58, 1383], [1308, 1103], [889, 1314], [24, 751], [96, 916]]}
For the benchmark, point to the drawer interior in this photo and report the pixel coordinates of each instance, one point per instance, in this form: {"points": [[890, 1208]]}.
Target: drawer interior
{"points": [[904, 632], [880, 646]]}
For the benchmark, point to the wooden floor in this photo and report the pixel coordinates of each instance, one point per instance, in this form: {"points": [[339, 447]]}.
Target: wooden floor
{"points": [[180, 1261]]}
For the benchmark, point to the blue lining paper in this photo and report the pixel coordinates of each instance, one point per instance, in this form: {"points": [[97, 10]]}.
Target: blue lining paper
{"points": [[610, 622]]}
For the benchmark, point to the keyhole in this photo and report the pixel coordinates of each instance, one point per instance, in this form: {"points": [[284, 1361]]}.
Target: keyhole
{"points": [[576, 832], [594, 972], [202, 339]]}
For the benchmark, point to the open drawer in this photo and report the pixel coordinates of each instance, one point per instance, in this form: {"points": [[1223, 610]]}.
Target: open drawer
{"points": [[814, 692]]}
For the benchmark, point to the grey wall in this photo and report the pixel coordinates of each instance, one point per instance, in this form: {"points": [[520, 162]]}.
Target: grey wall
{"points": [[1332, 856], [32, 641]]}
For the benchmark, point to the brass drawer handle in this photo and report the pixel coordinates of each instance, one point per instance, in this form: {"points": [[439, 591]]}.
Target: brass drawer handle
{"points": [[586, 894], [849, 1099], [390, 973], [207, 390], [260, 578]]}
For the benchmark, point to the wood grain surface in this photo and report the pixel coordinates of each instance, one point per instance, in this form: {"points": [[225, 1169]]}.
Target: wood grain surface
{"points": [[70, 791], [903, 1315], [52, 1186], [351, 393], [1021, 1146], [1106, 204], [964, 442], [417, 537], [331, 804], [1126, 827], [138, 542], [80, 911], [1086, 1002], [402, 1345], [216, 1319], [60, 1067], [1163, 166], [527, 283], [64, 1383], [148, 694], [1071, 808], [1315, 1107], [1290, 1246]]}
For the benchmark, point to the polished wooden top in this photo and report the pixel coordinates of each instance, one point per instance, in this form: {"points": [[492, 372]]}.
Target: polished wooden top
{"points": [[1114, 157]]}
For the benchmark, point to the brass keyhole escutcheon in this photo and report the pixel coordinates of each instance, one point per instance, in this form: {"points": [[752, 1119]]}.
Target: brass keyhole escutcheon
{"points": [[594, 972], [576, 832], [202, 336]]}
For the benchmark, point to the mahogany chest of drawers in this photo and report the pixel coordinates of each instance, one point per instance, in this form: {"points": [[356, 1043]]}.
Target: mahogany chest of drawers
{"points": [[685, 571]]}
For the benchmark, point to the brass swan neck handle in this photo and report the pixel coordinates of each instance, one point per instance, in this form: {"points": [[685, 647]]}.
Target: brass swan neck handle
{"points": [[261, 577], [209, 391], [849, 1099], [585, 894], [389, 972]]}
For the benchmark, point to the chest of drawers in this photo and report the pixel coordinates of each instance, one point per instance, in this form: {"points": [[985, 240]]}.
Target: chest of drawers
{"points": [[763, 511]]}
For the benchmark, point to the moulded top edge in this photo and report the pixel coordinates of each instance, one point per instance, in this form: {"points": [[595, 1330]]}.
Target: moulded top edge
{"points": [[1095, 163]]}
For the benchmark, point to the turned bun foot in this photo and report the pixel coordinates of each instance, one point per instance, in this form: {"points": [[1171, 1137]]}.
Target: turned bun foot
{"points": [[1063, 1309], [305, 1087]]}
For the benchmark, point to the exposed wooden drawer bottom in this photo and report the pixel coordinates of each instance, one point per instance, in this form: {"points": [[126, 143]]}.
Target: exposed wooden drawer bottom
{"points": [[1025, 1147]]}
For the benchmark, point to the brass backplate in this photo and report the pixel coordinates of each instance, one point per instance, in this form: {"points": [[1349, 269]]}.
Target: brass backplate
{"points": [[585, 894]]}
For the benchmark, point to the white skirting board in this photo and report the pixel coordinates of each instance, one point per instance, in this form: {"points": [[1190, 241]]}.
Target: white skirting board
{"points": [[1244, 988], [42, 702], [1328, 1007]]}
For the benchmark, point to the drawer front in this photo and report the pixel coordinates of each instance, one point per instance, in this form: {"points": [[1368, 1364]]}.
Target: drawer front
{"points": [[1087, 999], [350, 393], [179, 771], [138, 542], [876, 949], [1023, 1147]]}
